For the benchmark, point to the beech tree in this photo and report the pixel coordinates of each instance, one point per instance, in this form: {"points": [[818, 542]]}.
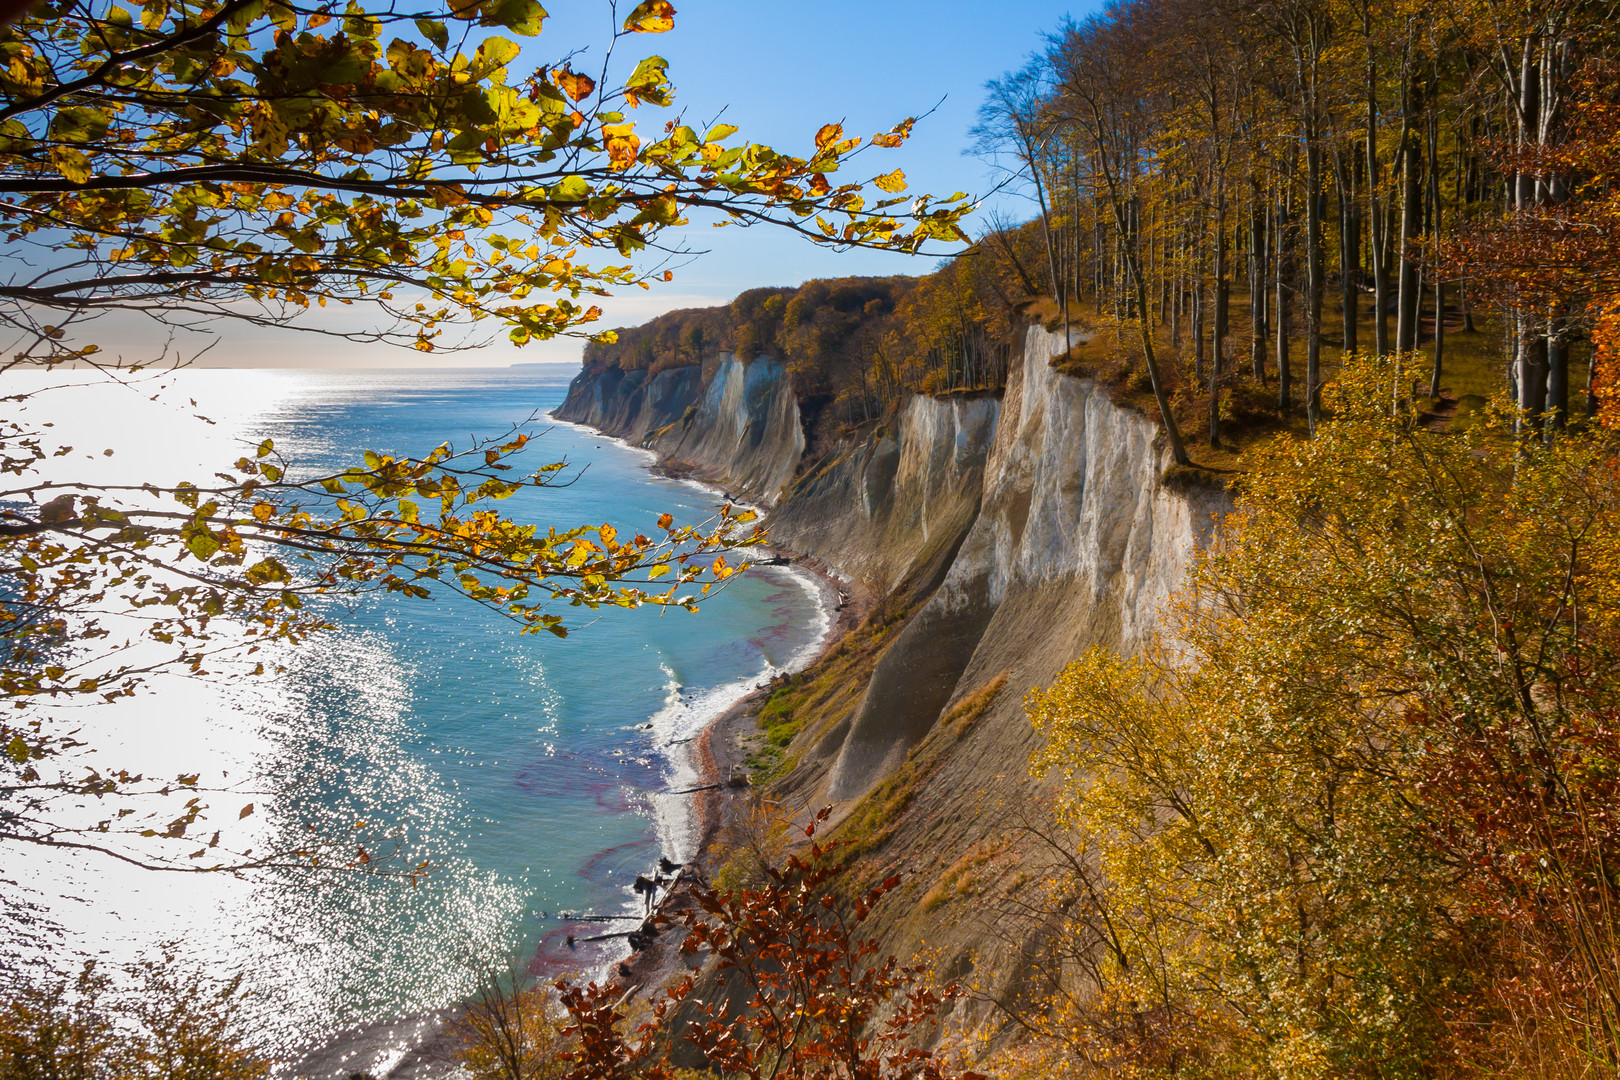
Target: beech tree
{"points": [[247, 160], [1159, 120], [180, 157], [1356, 816]]}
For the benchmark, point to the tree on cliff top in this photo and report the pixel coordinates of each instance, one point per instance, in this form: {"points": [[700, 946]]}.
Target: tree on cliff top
{"points": [[1358, 816], [191, 160]]}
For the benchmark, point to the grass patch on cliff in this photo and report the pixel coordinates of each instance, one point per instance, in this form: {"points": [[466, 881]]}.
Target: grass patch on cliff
{"points": [[875, 818], [971, 875], [825, 693]]}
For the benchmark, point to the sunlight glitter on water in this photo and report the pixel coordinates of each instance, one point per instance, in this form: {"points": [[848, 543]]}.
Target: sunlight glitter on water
{"points": [[523, 770]]}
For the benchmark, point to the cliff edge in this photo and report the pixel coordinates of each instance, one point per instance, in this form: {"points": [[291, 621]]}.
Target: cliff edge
{"points": [[1002, 538]]}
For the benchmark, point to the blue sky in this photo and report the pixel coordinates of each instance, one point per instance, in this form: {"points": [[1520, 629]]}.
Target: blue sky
{"points": [[778, 71]]}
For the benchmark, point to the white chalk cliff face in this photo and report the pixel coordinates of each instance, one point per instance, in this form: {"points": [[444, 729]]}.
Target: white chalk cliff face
{"points": [[1038, 523], [898, 502], [1076, 543], [731, 422], [1024, 531], [1020, 532]]}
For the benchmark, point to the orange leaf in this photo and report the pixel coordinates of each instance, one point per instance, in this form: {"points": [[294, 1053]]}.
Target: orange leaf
{"points": [[576, 86]]}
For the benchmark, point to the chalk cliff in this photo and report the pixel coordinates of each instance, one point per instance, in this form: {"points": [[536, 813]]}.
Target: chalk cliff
{"points": [[734, 423], [1010, 535]]}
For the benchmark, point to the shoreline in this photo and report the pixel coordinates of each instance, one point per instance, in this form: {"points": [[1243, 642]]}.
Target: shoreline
{"points": [[425, 1045], [713, 756]]}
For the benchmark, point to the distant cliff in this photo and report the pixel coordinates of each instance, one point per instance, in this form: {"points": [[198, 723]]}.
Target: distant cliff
{"points": [[733, 423], [1002, 536]]}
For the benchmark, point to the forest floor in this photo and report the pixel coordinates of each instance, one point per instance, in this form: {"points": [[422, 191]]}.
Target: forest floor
{"points": [[1472, 371]]}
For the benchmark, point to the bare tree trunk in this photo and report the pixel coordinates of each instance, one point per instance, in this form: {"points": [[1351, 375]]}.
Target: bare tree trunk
{"points": [[1349, 248], [1434, 229], [1197, 292], [1220, 288], [1285, 251], [1531, 367], [1407, 302], [1179, 290], [1258, 259], [1313, 277], [1376, 242]]}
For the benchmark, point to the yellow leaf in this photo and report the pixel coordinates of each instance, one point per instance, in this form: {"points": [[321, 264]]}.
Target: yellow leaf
{"points": [[891, 182], [651, 17], [829, 134], [71, 164], [263, 511]]}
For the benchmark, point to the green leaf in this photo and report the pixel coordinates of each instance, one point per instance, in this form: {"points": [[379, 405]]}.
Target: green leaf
{"points": [[650, 83], [17, 749], [494, 53], [519, 16], [202, 544], [571, 188], [434, 31]]}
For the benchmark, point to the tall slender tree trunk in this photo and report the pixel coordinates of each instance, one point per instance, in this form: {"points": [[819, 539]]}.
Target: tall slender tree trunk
{"points": [[1172, 430], [1258, 260], [1197, 293], [1177, 292], [1058, 294], [1376, 241], [1313, 279], [1407, 302], [1531, 338], [1435, 212], [1219, 288], [1349, 248], [1284, 271]]}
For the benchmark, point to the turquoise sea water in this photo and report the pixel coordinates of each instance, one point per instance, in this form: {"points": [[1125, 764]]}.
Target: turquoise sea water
{"points": [[525, 769]]}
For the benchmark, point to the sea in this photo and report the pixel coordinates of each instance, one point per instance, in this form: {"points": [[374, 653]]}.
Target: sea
{"points": [[530, 775]]}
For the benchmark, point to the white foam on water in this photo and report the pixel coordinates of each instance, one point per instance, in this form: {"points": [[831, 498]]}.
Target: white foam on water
{"points": [[677, 726]]}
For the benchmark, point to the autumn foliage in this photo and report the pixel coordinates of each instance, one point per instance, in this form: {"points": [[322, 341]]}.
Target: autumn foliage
{"points": [[788, 990], [853, 346], [1354, 814], [250, 163]]}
